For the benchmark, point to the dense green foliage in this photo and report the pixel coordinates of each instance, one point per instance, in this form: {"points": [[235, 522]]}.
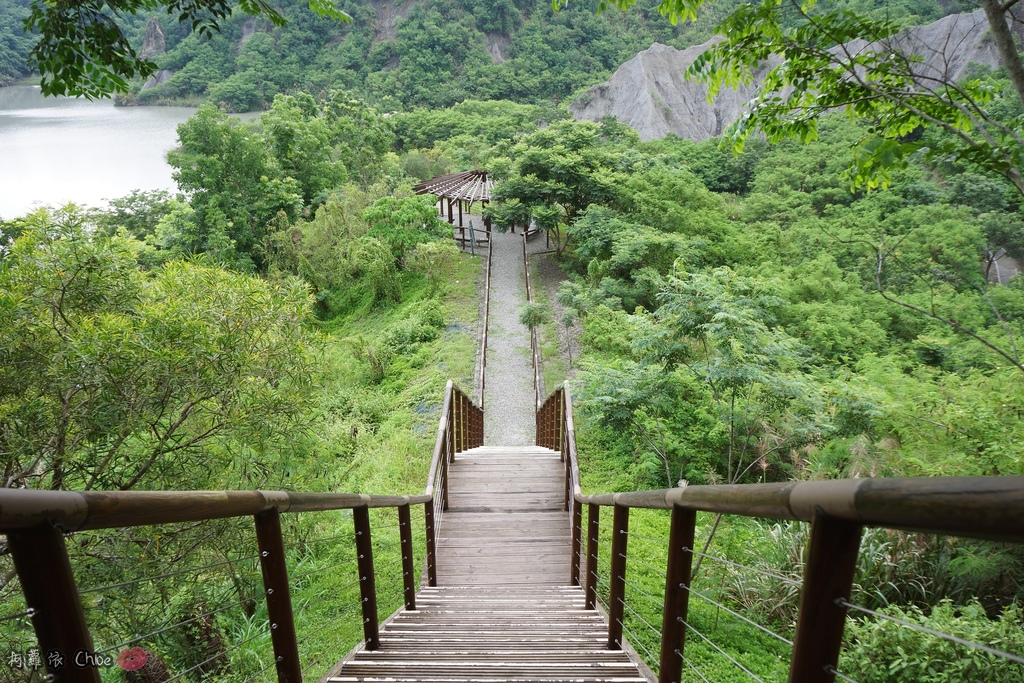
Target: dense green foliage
{"points": [[432, 53], [275, 327]]}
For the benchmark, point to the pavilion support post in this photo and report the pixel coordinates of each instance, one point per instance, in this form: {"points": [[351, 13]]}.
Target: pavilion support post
{"points": [[460, 220], [451, 217]]}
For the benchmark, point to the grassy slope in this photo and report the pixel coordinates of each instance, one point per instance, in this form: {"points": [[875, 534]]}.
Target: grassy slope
{"points": [[370, 438]]}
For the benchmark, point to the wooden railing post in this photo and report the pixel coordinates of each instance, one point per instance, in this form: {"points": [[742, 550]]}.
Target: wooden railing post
{"points": [[405, 536], [452, 436], [367, 580], [828, 577], [577, 533], [677, 594], [279, 602], [558, 423], [445, 465], [462, 422], [428, 518], [593, 528], [542, 434], [41, 560], [568, 485], [456, 421], [617, 596]]}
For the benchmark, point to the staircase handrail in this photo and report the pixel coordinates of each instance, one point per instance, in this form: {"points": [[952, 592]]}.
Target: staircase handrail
{"points": [[974, 507], [35, 522], [460, 427]]}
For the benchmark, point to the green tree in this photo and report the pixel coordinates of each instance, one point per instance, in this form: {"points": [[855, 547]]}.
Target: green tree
{"points": [[114, 379], [300, 139], [233, 183], [557, 173], [404, 222], [82, 48]]}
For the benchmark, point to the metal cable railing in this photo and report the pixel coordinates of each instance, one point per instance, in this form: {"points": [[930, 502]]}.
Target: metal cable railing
{"points": [[779, 577], [719, 650], [819, 577], [148, 568]]}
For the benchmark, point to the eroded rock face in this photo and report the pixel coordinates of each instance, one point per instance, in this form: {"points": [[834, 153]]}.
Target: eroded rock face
{"points": [[153, 42], [649, 93], [161, 76]]}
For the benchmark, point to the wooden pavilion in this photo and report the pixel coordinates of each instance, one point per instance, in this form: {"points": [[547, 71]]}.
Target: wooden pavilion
{"points": [[460, 191]]}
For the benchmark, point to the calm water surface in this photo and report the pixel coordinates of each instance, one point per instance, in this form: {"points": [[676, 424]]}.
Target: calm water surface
{"points": [[58, 150]]}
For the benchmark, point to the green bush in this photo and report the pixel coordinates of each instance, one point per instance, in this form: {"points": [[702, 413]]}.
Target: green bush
{"points": [[882, 651]]}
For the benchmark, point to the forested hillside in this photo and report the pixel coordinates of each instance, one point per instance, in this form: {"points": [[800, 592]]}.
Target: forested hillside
{"points": [[399, 55]]}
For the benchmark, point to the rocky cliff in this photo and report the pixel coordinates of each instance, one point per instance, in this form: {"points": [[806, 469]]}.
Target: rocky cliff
{"points": [[650, 94]]}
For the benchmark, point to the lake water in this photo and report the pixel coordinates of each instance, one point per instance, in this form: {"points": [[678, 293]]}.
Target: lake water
{"points": [[58, 150]]}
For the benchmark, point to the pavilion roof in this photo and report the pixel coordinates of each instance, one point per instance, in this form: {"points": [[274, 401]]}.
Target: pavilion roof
{"points": [[469, 186]]}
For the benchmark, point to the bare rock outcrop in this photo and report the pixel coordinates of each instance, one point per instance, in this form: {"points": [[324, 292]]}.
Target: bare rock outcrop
{"points": [[153, 41], [650, 94]]}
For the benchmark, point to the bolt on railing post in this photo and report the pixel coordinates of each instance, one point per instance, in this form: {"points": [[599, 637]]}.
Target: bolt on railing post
{"points": [[367, 580], [41, 560], [828, 577], [279, 602], [677, 594], [617, 596], [593, 528], [428, 519], [577, 533], [405, 536]]}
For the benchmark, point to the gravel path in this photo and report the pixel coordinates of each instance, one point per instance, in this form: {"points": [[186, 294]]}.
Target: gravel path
{"points": [[508, 401]]}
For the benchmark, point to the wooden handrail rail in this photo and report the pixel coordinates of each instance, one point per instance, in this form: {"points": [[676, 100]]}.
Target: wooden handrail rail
{"points": [[35, 520], [973, 507], [90, 510], [838, 510], [433, 473]]}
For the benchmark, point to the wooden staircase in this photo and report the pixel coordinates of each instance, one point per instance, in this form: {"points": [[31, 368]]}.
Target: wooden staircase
{"points": [[506, 521], [502, 609], [490, 634]]}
